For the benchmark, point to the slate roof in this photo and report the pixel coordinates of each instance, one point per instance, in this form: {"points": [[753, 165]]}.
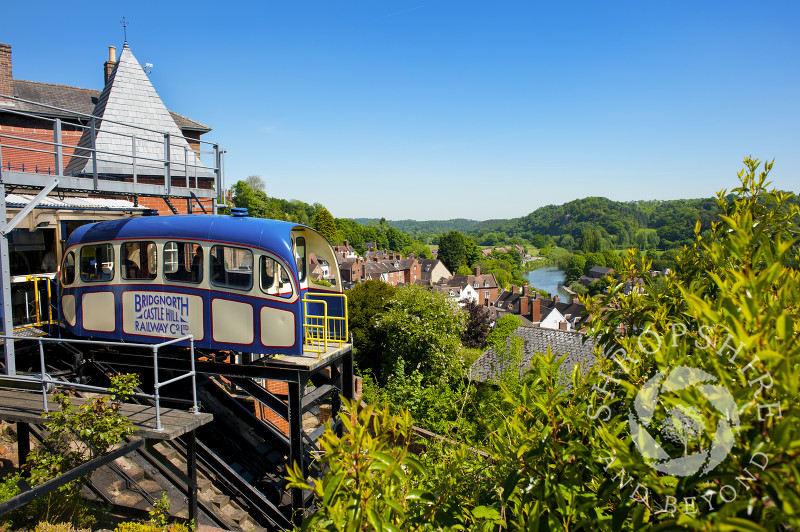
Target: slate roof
{"points": [[536, 340], [74, 102], [600, 271], [129, 98], [74, 202], [464, 280]]}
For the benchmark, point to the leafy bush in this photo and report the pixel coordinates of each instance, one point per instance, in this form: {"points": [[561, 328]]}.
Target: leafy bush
{"points": [[421, 331], [566, 454], [502, 330], [76, 435]]}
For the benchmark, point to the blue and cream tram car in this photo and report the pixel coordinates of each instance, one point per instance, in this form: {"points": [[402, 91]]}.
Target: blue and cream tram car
{"points": [[233, 282]]}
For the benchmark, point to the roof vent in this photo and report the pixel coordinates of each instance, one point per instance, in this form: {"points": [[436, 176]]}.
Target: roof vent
{"points": [[150, 212], [238, 212]]}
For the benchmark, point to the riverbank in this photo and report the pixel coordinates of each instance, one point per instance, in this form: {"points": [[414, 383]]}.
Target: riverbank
{"points": [[536, 264]]}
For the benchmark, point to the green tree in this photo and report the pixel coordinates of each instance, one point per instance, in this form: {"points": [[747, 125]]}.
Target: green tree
{"points": [[451, 250], [422, 331], [576, 267], [326, 225], [366, 303], [255, 182], [477, 327], [565, 457]]}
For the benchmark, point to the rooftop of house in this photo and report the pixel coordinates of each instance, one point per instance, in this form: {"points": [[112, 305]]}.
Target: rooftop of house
{"points": [[486, 280], [75, 99], [579, 350]]}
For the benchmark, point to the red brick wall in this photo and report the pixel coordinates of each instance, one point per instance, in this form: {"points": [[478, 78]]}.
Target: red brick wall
{"points": [[5, 71], [34, 161], [262, 412]]}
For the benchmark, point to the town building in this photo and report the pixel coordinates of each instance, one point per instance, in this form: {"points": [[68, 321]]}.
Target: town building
{"points": [[549, 313], [128, 98], [485, 285]]}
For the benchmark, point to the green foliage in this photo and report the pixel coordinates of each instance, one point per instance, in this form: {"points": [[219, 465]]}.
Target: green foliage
{"points": [[477, 326], [563, 455], [729, 309], [325, 225], [503, 328], [75, 435], [159, 516], [421, 331], [366, 303], [382, 234], [452, 248], [576, 267], [463, 270], [149, 527], [259, 205], [374, 481]]}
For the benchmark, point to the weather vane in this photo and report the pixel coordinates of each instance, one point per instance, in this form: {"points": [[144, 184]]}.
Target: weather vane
{"points": [[124, 22]]}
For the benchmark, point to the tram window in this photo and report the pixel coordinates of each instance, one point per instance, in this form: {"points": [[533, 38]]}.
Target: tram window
{"points": [[68, 269], [300, 250], [139, 260], [274, 278], [183, 262], [97, 263], [232, 267]]}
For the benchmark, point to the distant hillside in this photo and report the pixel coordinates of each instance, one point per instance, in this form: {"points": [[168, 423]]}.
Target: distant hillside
{"points": [[413, 227], [672, 221]]}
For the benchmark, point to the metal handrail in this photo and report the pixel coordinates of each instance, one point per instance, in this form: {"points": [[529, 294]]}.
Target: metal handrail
{"points": [[321, 330], [75, 117], [45, 381]]}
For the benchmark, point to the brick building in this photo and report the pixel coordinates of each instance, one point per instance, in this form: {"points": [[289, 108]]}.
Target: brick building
{"points": [[128, 97]]}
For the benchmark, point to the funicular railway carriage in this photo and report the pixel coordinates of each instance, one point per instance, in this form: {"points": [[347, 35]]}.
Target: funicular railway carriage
{"points": [[233, 282]]}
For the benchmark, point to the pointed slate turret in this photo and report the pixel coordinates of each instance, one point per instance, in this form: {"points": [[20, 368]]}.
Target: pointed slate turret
{"points": [[129, 99]]}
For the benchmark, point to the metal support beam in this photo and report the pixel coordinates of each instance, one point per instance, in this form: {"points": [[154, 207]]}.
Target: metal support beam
{"points": [[191, 472], [5, 292], [23, 443], [218, 177], [93, 130], [8, 227], [296, 446], [167, 166], [59, 151]]}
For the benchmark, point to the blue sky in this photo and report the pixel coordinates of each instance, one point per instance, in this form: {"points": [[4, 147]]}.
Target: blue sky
{"points": [[455, 109]]}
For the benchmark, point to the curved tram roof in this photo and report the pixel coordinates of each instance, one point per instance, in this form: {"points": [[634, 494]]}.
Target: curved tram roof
{"points": [[271, 235]]}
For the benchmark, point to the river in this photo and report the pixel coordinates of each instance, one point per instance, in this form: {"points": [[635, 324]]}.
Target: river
{"points": [[549, 279]]}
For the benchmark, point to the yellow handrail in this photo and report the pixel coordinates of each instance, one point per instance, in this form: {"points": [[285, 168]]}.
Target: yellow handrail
{"points": [[322, 331], [37, 303]]}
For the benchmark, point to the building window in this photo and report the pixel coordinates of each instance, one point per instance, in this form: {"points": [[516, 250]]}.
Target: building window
{"points": [[97, 263], [487, 294]]}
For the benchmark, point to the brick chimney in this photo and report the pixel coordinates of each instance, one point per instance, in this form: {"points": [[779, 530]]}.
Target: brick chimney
{"points": [[6, 85], [523, 307], [526, 289], [477, 270], [536, 310], [555, 298], [514, 288], [109, 65]]}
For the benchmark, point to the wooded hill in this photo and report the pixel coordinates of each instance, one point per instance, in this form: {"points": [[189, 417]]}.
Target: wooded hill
{"points": [[671, 221]]}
